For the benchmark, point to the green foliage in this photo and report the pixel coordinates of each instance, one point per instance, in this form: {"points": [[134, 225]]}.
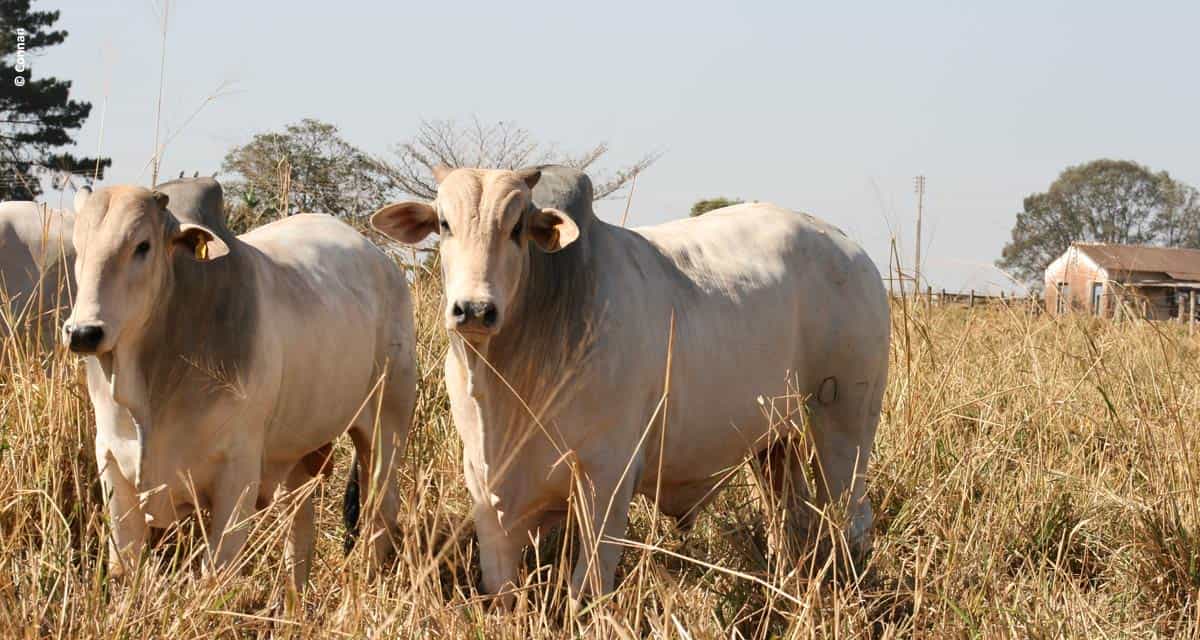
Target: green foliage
{"points": [[307, 167], [37, 116], [1113, 201], [704, 206]]}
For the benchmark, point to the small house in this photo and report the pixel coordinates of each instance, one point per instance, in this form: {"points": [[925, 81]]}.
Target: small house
{"points": [[1112, 280]]}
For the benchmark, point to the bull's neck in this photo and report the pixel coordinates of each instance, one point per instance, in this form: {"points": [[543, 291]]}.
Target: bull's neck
{"points": [[201, 322], [495, 420], [522, 376]]}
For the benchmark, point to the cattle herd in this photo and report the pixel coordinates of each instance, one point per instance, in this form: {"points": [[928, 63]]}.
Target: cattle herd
{"points": [[587, 362]]}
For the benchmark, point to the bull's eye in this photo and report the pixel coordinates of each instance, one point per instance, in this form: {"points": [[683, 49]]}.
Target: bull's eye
{"points": [[445, 226], [516, 233], [142, 249]]}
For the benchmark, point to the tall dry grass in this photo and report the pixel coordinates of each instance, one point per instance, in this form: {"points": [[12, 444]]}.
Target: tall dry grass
{"points": [[1033, 477]]}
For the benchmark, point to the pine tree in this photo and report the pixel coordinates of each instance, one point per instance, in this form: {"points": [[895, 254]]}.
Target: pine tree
{"points": [[37, 116]]}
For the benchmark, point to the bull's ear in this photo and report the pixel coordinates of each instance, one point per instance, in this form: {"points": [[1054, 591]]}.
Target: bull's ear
{"points": [[440, 172], [530, 176], [198, 242], [552, 229], [161, 199], [408, 222]]}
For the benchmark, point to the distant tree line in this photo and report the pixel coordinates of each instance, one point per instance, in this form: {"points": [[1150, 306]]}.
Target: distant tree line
{"points": [[1110, 201], [308, 166]]}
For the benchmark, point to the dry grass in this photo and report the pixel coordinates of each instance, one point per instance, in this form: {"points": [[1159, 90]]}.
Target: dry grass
{"points": [[1033, 477]]}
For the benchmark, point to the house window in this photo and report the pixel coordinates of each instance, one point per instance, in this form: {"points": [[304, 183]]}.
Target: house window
{"points": [[1064, 290], [1097, 297]]}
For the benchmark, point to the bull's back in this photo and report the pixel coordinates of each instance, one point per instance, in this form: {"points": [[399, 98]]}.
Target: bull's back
{"points": [[780, 272], [318, 254]]}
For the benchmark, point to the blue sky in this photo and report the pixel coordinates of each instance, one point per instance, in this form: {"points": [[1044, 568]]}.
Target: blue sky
{"points": [[831, 108]]}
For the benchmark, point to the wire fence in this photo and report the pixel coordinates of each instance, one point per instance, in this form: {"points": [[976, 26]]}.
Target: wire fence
{"points": [[971, 298]]}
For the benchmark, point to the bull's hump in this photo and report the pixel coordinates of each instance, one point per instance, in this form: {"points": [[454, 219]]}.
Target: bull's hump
{"points": [[198, 200], [566, 189]]}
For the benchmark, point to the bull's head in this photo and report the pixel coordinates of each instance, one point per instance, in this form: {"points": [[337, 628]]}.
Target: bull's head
{"points": [[486, 219], [125, 244]]}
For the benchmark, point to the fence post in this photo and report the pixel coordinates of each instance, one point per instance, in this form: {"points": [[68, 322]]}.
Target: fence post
{"points": [[929, 296], [1192, 310]]}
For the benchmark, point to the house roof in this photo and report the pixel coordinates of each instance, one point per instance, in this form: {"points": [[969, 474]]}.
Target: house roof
{"points": [[1178, 264]]}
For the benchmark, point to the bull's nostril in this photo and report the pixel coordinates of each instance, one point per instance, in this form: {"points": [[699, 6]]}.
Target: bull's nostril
{"points": [[87, 338], [488, 315], [469, 315], [461, 312]]}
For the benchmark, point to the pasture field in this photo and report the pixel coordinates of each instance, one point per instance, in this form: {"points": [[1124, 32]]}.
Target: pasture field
{"points": [[1033, 477]]}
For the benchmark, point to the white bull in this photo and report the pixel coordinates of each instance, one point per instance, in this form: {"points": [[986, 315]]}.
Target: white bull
{"points": [[220, 368], [555, 314]]}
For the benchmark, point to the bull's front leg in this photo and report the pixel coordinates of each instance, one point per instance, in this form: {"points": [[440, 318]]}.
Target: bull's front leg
{"points": [[127, 540], [603, 518], [844, 433], [499, 552], [234, 499]]}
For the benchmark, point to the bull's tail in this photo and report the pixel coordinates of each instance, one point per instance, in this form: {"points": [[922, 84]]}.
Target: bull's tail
{"points": [[350, 508]]}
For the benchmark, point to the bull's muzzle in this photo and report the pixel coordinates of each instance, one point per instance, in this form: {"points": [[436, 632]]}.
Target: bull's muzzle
{"points": [[84, 338], [474, 316]]}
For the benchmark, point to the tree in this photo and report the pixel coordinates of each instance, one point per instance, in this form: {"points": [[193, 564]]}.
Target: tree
{"points": [[308, 167], [1111, 201], [1179, 223], [37, 116], [502, 145], [704, 206]]}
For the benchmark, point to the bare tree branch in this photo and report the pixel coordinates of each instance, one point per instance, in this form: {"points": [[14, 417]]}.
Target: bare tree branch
{"points": [[623, 176], [503, 145]]}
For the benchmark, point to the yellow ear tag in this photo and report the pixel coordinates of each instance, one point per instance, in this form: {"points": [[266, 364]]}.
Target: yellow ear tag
{"points": [[202, 250]]}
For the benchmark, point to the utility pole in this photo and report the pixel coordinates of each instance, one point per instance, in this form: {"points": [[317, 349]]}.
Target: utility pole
{"points": [[156, 159], [919, 184]]}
